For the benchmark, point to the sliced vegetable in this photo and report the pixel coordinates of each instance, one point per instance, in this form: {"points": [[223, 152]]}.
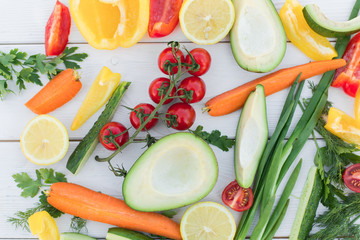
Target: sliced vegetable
{"points": [[82, 202], [301, 35], [60, 90], [101, 90], [251, 137], [176, 171], [86, 147], [57, 30], [348, 77], [258, 39], [327, 27], [234, 99], [43, 226], [351, 177], [238, 198], [74, 236], [124, 234], [164, 16], [357, 106], [309, 201]]}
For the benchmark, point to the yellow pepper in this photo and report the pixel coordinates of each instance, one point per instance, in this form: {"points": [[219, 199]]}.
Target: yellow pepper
{"points": [[44, 226], [302, 36]]}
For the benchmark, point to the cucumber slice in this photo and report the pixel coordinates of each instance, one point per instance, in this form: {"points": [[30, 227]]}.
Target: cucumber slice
{"points": [[87, 146], [327, 27], [74, 236], [309, 202], [251, 137], [124, 234]]}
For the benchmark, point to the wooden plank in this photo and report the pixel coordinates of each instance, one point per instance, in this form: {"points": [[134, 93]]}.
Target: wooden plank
{"points": [[97, 177], [139, 65], [34, 15]]}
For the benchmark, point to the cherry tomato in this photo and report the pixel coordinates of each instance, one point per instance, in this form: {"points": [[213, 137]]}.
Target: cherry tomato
{"points": [[185, 115], [154, 90], [146, 109], [351, 177], [167, 54], [194, 84], [202, 57], [238, 198], [116, 128]]}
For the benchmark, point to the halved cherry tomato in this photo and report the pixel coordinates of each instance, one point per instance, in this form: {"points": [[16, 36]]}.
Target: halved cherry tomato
{"points": [[194, 84], [185, 116], [57, 30], [157, 84], [167, 54], [238, 198], [164, 16], [202, 57], [351, 177], [116, 129], [144, 108]]}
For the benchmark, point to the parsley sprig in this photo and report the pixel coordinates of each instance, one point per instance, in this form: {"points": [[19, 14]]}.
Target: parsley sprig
{"points": [[18, 66]]}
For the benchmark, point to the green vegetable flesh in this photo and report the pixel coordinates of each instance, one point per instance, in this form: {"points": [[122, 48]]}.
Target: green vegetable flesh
{"points": [[251, 137], [176, 171], [75, 236], [326, 27], [258, 39], [309, 201], [87, 146], [124, 234]]}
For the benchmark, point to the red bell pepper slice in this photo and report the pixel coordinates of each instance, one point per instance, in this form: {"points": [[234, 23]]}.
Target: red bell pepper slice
{"points": [[348, 77], [57, 30], [164, 16]]}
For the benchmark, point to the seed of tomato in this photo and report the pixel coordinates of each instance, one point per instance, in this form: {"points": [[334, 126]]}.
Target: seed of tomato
{"points": [[202, 57], [167, 54], [145, 109], [351, 177], [185, 116], [238, 198], [116, 129], [160, 83], [194, 84]]}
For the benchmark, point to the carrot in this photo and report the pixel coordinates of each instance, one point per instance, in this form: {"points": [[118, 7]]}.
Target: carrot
{"points": [[61, 89], [234, 99], [82, 202]]}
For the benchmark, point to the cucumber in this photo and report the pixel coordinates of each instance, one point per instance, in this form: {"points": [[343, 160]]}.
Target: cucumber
{"points": [[74, 236], [327, 27], [309, 202], [251, 137], [124, 234], [87, 146]]}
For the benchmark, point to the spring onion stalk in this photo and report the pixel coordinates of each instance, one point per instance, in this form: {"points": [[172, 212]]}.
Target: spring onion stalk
{"points": [[278, 222], [264, 218]]}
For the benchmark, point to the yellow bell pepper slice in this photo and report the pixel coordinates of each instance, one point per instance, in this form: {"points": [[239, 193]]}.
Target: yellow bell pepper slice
{"points": [[343, 126], [302, 36], [101, 90], [44, 226], [357, 106], [108, 24]]}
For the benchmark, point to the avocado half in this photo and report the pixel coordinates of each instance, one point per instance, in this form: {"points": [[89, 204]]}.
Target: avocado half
{"points": [[176, 171], [258, 39], [327, 27]]}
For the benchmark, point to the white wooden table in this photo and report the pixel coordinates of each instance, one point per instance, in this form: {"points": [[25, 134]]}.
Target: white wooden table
{"points": [[22, 26]]}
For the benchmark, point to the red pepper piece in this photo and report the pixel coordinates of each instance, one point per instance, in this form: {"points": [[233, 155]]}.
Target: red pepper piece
{"points": [[57, 30], [164, 16], [348, 77]]}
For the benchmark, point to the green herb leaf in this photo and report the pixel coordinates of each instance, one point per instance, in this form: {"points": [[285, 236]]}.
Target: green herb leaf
{"points": [[215, 138], [29, 186], [78, 224], [50, 176]]}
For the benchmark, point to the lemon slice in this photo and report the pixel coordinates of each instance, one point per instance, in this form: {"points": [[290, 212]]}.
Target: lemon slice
{"points": [[44, 226], [206, 21], [44, 140], [207, 221]]}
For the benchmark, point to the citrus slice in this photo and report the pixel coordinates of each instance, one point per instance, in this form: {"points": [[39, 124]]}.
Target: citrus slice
{"points": [[206, 21], [44, 226], [44, 140], [108, 24], [207, 221], [343, 126]]}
